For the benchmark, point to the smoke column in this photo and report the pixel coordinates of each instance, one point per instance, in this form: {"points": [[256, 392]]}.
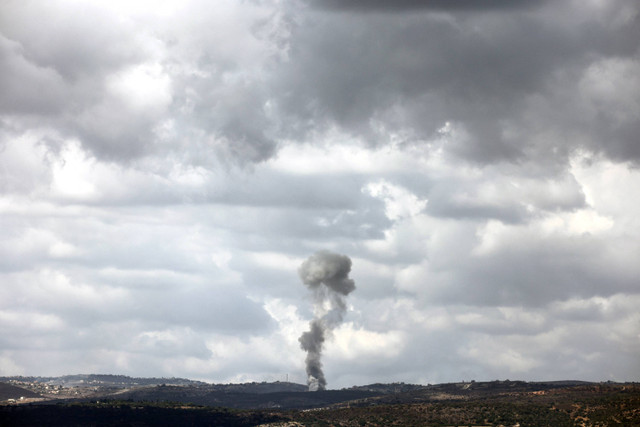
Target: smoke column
{"points": [[327, 275]]}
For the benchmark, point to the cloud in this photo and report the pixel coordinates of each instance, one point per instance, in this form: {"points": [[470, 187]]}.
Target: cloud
{"points": [[482, 73], [165, 169], [26, 87], [412, 5]]}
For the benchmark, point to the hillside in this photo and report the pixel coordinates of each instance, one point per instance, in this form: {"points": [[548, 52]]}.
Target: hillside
{"points": [[209, 396], [9, 391], [280, 395], [580, 405], [577, 405], [105, 380]]}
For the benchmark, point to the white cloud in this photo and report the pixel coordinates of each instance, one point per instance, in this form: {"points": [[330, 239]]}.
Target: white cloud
{"points": [[352, 343], [142, 87], [73, 172], [399, 203]]}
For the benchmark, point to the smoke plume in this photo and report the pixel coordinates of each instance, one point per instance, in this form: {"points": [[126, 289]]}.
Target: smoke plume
{"points": [[327, 275]]}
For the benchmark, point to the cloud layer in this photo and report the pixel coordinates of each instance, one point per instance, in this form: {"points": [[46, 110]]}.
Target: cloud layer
{"points": [[166, 167], [416, 5]]}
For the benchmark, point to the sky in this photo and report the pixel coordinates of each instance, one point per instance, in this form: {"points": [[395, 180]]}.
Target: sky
{"points": [[167, 166]]}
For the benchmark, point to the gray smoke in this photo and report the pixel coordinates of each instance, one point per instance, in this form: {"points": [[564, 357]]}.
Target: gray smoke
{"points": [[327, 275]]}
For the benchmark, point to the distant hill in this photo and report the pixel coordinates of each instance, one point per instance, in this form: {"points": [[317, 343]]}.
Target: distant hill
{"points": [[8, 391], [274, 395], [410, 393], [295, 396], [246, 399], [258, 388], [102, 380], [506, 403]]}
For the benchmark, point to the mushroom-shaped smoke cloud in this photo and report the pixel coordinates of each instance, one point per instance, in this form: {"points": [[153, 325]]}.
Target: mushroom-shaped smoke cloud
{"points": [[327, 275]]}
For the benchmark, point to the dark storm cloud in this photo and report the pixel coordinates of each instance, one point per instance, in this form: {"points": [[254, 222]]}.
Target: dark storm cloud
{"points": [[26, 87], [371, 75], [411, 74], [412, 5]]}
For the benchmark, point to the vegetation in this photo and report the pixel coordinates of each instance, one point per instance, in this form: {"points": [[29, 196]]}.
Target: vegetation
{"points": [[601, 405], [128, 413], [502, 405]]}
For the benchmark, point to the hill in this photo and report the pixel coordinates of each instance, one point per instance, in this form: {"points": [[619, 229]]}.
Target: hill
{"points": [[105, 380], [9, 391], [248, 399], [584, 405]]}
